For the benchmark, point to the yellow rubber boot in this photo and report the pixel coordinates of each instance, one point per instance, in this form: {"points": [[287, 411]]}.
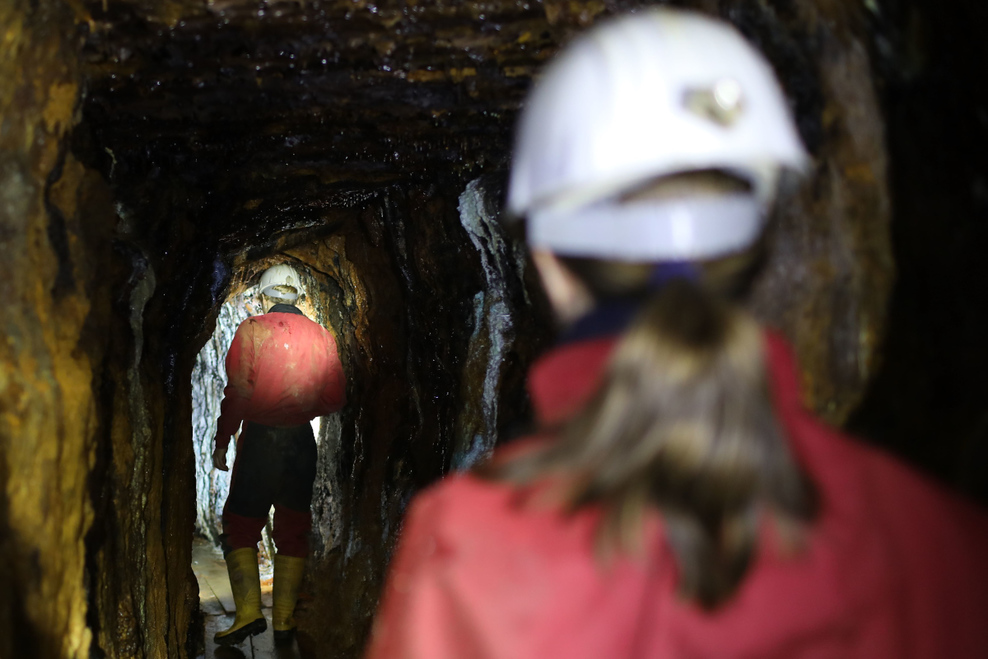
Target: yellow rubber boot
{"points": [[245, 582], [288, 571]]}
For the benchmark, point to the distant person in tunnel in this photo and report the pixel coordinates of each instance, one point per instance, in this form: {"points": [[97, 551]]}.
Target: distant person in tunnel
{"points": [[283, 370], [677, 499]]}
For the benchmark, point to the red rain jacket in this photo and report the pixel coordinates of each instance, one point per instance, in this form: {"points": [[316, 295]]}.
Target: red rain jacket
{"points": [[895, 567], [282, 370]]}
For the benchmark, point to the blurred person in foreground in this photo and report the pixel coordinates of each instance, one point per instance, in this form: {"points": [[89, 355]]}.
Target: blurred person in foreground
{"points": [[678, 500]]}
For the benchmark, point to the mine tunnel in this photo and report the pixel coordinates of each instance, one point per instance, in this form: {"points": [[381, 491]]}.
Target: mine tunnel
{"points": [[158, 155]]}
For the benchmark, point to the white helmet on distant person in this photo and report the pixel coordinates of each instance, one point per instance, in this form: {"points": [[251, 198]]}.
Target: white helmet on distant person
{"points": [[648, 95], [280, 275]]}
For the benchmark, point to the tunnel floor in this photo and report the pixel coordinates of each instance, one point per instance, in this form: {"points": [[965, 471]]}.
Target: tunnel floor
{"points": [[217, 605]]}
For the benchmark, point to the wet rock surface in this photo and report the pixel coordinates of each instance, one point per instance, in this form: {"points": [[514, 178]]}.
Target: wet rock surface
{"points": [[208, 382], [157, 156]]}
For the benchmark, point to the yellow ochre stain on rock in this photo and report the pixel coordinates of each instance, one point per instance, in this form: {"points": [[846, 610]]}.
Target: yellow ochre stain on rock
{"points": [[59, 108]]}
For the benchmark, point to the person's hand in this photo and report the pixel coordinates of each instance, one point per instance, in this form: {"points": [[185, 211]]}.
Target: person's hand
{"points": [[219, 458]]}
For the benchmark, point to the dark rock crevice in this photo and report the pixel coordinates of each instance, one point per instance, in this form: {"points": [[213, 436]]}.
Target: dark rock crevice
{"points": [[927, 402]]}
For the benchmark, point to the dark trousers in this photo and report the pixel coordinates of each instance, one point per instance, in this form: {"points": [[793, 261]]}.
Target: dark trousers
{"points": [[274, 467]]}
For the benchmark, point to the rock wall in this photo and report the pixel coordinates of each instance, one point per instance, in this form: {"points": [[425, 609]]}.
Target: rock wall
{"points": [[208, 382], [831, 270], [53, 218]]}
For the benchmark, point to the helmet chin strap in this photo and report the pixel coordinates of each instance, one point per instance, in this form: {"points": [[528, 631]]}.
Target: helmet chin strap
{"points": [[650, 230], [668, 271]]}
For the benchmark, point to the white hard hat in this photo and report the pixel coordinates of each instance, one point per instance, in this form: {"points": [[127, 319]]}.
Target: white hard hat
{"points": [[280, 275], [648, 95]]}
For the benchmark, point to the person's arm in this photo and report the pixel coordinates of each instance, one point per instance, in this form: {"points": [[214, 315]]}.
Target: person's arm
{"points": [[236, 395]]}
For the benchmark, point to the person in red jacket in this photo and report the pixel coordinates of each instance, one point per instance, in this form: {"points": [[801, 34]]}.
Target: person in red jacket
{"points": [[283, 370], [677, 500]]}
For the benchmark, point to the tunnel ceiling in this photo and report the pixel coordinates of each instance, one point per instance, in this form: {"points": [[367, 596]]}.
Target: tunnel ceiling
{"points": [[286, 108]]}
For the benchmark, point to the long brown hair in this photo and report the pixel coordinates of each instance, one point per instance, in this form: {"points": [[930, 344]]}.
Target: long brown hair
{"points": [[682, 423]]}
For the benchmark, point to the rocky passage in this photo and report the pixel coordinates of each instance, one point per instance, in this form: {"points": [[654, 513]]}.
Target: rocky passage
{"points": [[156, 155]]}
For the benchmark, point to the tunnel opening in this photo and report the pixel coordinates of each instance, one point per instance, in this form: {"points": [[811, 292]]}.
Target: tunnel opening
{"points": [[209, 380], [360, 181], [212, 485], [432, 382]]}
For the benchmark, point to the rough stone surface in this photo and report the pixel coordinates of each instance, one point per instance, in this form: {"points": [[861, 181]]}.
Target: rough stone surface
{"points": [[51, 351], [208, 382], [156, 155]]}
